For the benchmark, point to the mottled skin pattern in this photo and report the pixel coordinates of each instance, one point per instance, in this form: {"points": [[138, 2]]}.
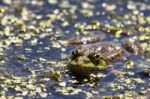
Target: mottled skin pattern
{"points": [[92, 58]]}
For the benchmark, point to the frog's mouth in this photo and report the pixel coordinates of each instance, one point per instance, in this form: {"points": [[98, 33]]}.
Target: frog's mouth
{"points": [[85, 65]]}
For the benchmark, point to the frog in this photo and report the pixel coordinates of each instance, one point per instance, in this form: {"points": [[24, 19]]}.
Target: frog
{"points": [[91, 57]]}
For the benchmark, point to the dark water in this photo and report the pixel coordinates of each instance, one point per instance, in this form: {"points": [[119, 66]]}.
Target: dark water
{"points": [[45, 50]]}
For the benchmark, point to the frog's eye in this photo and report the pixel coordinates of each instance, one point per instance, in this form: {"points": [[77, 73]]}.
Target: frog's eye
{"points": [[96, 56], [75, 52]]}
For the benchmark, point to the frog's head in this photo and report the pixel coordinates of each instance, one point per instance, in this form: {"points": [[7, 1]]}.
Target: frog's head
{"points": [[86, 63]]}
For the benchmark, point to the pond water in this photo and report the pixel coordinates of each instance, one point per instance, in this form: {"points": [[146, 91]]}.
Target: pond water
{"points": [[34, 50]]}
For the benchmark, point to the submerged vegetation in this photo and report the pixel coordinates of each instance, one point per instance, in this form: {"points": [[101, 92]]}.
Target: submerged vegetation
{"points": [[38, 36]]}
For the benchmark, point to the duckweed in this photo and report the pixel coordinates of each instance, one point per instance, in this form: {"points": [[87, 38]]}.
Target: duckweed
{"points": [[33, 47]]}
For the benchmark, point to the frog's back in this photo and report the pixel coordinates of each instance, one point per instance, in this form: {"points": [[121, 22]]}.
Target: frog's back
{"points": [[110, 51]]}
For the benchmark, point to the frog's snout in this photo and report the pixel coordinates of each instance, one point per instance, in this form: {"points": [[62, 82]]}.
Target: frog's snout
{"points": [[83, 59]]}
